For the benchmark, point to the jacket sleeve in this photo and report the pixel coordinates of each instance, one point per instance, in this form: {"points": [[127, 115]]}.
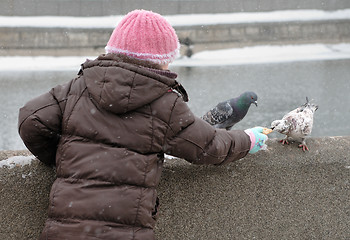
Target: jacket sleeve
{"points": [[39, 123], [198, 142]]}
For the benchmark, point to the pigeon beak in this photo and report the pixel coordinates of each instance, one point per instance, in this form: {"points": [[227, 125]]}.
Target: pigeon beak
{"points": [[256, 103]]}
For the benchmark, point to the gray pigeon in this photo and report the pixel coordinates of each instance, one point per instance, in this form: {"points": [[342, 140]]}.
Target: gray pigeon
{"points": [[228, 113], [296, 124]]}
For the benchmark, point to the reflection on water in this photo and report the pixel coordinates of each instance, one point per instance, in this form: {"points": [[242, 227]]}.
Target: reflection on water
{"points": [[280, 88]]}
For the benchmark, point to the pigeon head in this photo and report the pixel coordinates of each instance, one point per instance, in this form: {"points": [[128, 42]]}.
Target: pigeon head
{"points": [[249, 98], [281, 126]]}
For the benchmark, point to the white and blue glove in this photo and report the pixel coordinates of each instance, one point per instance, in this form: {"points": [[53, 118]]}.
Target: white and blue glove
{"points": [[257, 139]]}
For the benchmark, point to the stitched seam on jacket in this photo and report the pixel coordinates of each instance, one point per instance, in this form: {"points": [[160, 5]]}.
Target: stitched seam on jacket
{"points": [[228, 153], [113, 184], [70, 114], [137, 214], [48, 105], [131, 88], [101, 142], [67, 124], [103, 84], [43, 123], [57, 103], [168, 122], [61, 219], [66, 98], [139, 201], [152, 128], [203, 149], [52, 206]]}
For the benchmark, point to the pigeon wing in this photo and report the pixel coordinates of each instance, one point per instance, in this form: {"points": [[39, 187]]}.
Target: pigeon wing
{"points": [[218, 114], [301, 122], [291, 114], [306, 126]]}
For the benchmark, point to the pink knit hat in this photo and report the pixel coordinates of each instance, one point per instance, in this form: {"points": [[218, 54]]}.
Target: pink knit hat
{"points": [[145, 35]]}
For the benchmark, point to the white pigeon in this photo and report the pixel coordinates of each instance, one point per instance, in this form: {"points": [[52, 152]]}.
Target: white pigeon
{"points": [[296, 124]]}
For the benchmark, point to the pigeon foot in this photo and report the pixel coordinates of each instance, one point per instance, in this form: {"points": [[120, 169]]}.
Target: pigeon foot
{"points": [[284, 141], [305, 148]]}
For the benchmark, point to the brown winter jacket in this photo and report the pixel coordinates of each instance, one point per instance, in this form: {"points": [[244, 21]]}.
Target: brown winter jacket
{"points": [[107, 131]]}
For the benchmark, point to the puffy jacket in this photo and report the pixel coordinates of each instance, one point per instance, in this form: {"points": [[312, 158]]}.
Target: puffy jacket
{"points": [[106, 132]]}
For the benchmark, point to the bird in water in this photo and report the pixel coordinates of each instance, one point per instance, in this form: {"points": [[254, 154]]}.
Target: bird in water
{"points": [[228, 113], [296, 124]]}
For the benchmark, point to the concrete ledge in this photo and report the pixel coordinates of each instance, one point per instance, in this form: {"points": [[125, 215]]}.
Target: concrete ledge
{"points": [[281, 193], [89, 42], [24, 193]]}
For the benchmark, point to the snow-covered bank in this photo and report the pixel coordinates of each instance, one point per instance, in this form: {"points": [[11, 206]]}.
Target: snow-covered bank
{"points": [[235, 56], [178, 20]]}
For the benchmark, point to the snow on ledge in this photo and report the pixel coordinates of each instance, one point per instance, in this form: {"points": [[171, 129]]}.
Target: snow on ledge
{"points": [[16, 161]]}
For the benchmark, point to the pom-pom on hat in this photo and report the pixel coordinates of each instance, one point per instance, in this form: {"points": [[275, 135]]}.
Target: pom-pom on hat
{"points": [[145, 35]]}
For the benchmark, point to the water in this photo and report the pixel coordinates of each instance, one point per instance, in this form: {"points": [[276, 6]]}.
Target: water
{"points": [[280, 88]]}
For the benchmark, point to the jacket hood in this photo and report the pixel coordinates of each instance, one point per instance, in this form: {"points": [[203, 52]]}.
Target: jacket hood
{"points": [[119, 86]]}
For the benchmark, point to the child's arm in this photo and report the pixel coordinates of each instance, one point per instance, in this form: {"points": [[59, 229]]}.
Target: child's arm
{"points": [[39, 123], [198, 142]]}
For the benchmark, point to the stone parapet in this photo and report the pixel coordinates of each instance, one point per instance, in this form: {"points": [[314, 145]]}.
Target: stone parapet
{"points": [[281, 193]]}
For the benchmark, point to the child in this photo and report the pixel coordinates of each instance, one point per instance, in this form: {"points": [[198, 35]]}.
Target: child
{"points": [[107, 131]]}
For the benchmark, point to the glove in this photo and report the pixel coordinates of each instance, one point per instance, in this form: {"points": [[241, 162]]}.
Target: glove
{"points": [[257, 139]]}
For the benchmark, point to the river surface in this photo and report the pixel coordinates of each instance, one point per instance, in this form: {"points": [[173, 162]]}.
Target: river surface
{"points": [[280, 87]]}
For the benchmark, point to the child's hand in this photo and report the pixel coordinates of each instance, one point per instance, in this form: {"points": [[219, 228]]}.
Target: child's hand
{"points": [[257, 139]]}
